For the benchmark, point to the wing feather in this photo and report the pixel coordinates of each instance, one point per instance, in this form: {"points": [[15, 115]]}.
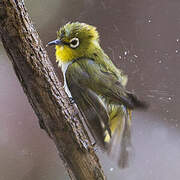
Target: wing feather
{"points": [[97, 78], [91, 107]]}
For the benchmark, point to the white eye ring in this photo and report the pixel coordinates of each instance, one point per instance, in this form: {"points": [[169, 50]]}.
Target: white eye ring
{"points": [[74, 42]]}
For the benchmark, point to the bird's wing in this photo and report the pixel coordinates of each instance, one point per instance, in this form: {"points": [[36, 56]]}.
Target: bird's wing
{"points": [[90, 105], [90, 75]]}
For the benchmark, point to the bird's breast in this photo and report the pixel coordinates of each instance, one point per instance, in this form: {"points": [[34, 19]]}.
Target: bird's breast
{"points": [[64, 67]]}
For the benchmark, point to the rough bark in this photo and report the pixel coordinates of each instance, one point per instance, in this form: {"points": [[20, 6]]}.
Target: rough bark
{"points": [[45, 93]]}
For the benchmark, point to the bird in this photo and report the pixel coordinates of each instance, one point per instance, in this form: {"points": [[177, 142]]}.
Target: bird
{"points": [[97, 87]]}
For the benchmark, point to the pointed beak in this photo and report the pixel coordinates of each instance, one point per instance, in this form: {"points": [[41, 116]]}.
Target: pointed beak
{"points": [[55, 42]]}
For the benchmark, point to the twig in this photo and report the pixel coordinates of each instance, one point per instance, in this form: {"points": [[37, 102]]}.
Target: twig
{"points": [[45, 93]]}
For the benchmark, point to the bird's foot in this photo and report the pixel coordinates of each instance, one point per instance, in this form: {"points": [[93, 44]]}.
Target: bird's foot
{"points": [[71, 100]]}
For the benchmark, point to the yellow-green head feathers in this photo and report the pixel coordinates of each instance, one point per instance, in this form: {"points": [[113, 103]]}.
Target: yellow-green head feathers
{"points": [[77, 40], [81, 30]]}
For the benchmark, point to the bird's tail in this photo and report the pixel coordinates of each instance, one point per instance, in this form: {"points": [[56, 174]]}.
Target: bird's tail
{"points": [[121, 136], [126, 146]]}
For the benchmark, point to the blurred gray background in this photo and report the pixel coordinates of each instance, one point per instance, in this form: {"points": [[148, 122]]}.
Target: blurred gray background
{"points": [[143, 39]]}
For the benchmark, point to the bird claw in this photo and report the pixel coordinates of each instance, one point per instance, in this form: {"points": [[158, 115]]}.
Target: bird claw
{"points": [[94, 145], [71, 100]]}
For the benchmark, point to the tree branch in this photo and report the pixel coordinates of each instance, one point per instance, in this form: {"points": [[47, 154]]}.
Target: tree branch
{"points": [[45, 93]]}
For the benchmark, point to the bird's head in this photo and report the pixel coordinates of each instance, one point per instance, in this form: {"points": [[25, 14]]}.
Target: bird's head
{"points": [[75, 40]]}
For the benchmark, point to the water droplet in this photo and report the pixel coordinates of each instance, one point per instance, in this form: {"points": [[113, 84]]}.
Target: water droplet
{"points": [[170, 98], [111, 169]]}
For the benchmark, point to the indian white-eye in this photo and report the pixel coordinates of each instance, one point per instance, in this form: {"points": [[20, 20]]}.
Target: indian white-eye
{"points": [[97, 86]]}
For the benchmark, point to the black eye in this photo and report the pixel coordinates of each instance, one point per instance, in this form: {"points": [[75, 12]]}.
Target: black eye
{"points": [[74, 42]]}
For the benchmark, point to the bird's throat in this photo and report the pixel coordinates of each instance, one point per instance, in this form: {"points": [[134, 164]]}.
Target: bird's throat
{"points": [[64, 54]]}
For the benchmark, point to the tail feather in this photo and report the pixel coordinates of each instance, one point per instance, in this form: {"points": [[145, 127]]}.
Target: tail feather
{"points": [[120, 141], [136, 103], [126, 146]]}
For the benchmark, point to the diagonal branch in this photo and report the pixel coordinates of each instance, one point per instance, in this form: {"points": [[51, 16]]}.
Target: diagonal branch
{"points": [[45, 93]]}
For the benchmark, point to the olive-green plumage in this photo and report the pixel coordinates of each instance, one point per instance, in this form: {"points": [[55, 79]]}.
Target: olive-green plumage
{"points": [[97, 86]]}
